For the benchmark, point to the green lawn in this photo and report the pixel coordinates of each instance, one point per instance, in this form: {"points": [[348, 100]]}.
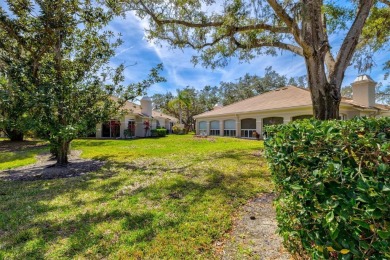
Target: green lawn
{"points": [[17, 156], [167, 198]]}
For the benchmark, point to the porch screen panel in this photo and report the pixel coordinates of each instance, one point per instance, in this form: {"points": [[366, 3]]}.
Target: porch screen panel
{"points": [[229, 128], [273, 121], [214, 128], [214, 125], [203, 125], [249, 123], [301, 117], [230, 125]]}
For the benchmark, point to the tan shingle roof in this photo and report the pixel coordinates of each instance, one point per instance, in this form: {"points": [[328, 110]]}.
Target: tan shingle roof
{"points": [[287, 97], [136, 109], [159, 114], [377, 106]]}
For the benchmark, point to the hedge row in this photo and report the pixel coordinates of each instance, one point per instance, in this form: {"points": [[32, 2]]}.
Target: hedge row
{"points": [[159, 132], [332, 180]]}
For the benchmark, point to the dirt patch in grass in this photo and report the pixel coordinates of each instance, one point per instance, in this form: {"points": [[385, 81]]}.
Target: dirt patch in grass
{"points": [[254, 233], [45, 168]]}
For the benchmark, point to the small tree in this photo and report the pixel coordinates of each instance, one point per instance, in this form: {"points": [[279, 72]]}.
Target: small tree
{"points": [[58, 52], [14, 117], [181, 101]]}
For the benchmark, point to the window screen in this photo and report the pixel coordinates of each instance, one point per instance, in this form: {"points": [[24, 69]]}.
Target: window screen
{"points": [[202, 125], [230, 124], [214, 125]]}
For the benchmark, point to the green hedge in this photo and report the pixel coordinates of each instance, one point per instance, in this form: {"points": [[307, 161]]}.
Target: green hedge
{"points": [[160, 132], [332, 180]]}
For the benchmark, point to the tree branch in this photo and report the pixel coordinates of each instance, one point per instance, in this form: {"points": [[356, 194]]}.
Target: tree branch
{"points": [[329, 59], [291, 24], [260, 26], [350, 42], [285, 46]]}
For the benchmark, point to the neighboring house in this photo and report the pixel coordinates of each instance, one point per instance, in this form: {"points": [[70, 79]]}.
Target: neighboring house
{"points": [[139, 119], [248, 117]]}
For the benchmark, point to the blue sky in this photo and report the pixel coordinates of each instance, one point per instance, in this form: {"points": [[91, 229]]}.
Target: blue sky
{"points": [[180, 72]]}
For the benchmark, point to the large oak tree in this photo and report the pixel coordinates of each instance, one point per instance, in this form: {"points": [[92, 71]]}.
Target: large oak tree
{"points": [[246, 29]]}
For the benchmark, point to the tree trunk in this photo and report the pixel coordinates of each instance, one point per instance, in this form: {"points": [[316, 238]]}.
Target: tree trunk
{"points": [[14, 135], [62, 154], [325, 95]]}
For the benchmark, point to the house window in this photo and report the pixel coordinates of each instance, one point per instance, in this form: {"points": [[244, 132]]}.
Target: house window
{"points": [[229, 128], [203, 127], [214, 128], [248, 127], [302, 117], [111, 129]]}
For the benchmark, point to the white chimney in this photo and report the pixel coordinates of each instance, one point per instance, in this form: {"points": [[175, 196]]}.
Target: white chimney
{"points": [[146, 106], [363, 91]]}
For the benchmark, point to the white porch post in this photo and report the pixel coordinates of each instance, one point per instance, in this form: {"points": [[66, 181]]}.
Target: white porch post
{"points": [[221, 127], [208, 127], [123, 126], [259, 126], [286, 119], [99, 130], [238, 127]]}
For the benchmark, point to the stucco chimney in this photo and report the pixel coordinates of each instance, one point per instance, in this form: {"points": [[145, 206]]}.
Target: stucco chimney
{"points": [[363, 91], [146, 106]]}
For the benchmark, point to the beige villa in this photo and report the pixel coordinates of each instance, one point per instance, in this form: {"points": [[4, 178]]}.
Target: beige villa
{"points": [[248, 117], [139, 119]]}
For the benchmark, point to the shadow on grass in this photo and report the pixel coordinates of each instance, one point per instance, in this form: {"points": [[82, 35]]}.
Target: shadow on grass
{"points": [[10, 146], [26, 233]]}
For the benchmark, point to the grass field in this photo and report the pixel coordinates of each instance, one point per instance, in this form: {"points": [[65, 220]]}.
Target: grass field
{"points": [[13, 155], [167, 198]]}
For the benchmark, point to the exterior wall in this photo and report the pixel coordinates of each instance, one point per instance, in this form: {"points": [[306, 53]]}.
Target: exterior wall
{"points": [[99, 130], [384, 114], [139, 127], [259, 116], [146, 106], [363, 91], [346, 112]]}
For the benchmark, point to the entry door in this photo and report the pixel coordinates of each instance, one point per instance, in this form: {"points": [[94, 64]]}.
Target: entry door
{"points": [[131, 127], [111, 129]]}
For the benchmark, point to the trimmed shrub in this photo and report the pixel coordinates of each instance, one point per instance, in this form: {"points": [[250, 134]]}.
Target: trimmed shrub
{"points": [[160, 132], [332, 180], [166, 130]]}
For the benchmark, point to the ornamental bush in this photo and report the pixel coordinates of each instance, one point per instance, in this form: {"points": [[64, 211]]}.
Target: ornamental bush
{"points": [[178, 129], [160, 132], [332, 180]]}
